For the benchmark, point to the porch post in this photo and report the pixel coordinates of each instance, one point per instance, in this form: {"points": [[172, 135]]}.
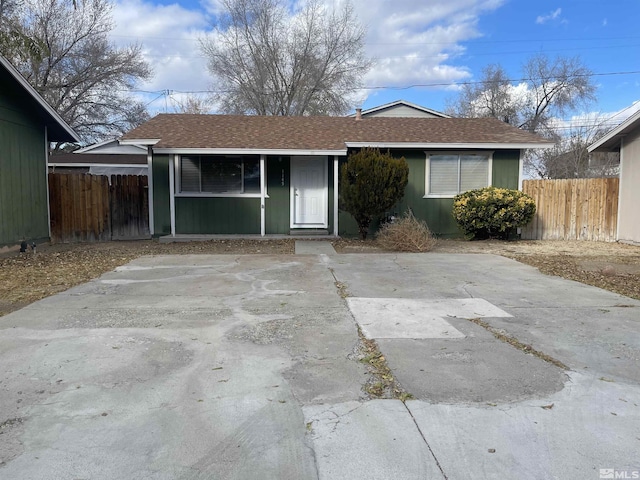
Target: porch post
{"points": [[150, 187], [520, 171], [336, 172], [262, 195], [172, 192]]}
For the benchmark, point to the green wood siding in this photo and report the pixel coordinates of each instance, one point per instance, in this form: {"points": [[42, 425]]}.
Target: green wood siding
{"points": [[161, 200], [436, 211], [239, 215], [218, 215], [278, 206], [506, 168], [23, 174]]}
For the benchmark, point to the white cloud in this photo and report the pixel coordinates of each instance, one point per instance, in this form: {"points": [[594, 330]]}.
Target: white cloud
{"points": [[169, 36], [547, 18], [413, 41]]}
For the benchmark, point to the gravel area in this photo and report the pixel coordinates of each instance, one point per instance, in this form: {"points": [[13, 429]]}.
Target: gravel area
{"points": [[25, 278]]}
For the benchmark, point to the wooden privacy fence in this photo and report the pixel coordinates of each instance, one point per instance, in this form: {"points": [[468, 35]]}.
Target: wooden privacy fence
{"points": [[574, 209], [86, 208]]}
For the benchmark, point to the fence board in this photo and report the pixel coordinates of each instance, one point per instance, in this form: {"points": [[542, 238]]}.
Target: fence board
{"points": [[85, 208], [573, 209]]}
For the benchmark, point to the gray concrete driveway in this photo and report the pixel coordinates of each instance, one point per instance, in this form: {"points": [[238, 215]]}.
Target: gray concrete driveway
{"points": [[242, 367]]}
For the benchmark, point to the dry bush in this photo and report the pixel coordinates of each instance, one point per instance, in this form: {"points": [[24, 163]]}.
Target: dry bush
{"points": [[407, 234]]}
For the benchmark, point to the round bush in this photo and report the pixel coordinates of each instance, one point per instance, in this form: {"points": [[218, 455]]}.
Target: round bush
{"points": [[492, 212]]}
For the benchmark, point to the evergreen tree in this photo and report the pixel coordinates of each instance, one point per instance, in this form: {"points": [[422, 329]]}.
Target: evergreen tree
{"points": [[371, 183]]}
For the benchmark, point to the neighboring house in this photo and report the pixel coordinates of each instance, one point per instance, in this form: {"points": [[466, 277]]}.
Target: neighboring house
{"points": [[399, 108], [27, 125], [104, 158], [225, 174], [625, 139]]}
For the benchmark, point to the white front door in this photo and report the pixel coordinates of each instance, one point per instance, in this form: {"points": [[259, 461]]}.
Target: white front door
{"points": [[309, 192]]}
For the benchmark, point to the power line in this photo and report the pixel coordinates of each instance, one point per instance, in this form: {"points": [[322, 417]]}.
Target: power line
{"points": [[475, 42], [404, 87]]}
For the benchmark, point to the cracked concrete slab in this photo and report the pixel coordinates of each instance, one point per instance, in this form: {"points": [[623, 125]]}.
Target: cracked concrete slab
{"points": [[243, 367], [417, 318], [364, 441], [314, 247], [591, 424]]}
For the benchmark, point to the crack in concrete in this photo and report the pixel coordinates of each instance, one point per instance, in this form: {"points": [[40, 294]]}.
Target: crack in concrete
{"points": [[424, 439], [503, 336]]}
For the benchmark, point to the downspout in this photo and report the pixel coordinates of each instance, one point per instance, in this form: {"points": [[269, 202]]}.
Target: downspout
{"points": [[262, 196], [150, 188], [172, 193], [336, 171]]}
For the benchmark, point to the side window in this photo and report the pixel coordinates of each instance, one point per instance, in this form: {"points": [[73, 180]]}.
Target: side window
{"points": [[449, 174]]}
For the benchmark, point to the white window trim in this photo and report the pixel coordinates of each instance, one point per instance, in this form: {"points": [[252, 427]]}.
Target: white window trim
{"points": [[427, 173], [179, 193]]}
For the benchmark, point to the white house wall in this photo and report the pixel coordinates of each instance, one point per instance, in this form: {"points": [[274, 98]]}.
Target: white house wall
{"points": [[628, 215]]}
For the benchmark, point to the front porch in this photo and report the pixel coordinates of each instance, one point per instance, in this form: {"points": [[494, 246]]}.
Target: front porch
{"points": [[297, 196], [185, 237]]}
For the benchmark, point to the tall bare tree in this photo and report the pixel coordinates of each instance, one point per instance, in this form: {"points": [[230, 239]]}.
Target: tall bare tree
{"points": [[569, 157], [556, 87], [267, 60], [70, 61], [190, 103], [548, 90], [493, 96]]}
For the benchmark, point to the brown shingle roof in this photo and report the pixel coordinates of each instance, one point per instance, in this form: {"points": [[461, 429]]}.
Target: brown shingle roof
{"points": [[98, 159], [321, 133]]}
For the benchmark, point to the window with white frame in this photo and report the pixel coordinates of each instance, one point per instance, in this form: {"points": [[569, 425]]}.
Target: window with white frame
{"points": [[449, 174], [219, 174]]}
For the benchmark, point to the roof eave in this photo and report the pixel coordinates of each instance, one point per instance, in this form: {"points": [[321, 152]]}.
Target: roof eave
{"points": [[250, 151], [470, 145], [89, 149], [73, 136], [85, 165], [611, 140], [139, 141], [402, 102]]}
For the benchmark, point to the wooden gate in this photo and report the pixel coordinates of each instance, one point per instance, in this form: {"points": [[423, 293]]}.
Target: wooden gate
{"points": [[574, 209], [89, 208]]}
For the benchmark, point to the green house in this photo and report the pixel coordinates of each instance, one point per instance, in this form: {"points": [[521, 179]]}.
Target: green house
{"points": [[226, 174], [27, 125]]}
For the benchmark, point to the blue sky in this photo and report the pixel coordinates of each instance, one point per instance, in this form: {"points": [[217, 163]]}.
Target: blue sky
{"points": [[418, 42]]}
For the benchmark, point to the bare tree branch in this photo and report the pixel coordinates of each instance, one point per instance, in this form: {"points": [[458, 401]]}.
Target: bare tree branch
{"points": [[267, 61], [549, 90], [76, 69]]}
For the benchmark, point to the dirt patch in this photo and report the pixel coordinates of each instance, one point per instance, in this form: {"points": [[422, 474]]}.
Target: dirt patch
{"points": [[25, 278]]}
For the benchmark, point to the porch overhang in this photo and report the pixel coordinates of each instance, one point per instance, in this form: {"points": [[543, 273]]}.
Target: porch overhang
{"points": [[247, 151]]}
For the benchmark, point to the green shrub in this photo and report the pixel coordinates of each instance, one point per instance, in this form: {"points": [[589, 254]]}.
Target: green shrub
{"points": [[370, 184], [406, 234], [492, 212]]}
